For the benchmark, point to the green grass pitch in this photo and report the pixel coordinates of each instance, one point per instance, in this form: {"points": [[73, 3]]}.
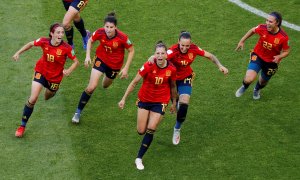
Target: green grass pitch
{"points": [[224, 137]]}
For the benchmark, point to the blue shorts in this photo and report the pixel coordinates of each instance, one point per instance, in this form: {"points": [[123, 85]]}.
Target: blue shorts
{"points": [[268, 69], [102, 67], [38, 77], [154, 107], [185, 86], [77, 4]]}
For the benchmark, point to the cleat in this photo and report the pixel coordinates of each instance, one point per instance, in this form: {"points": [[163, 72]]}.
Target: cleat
{"points": [[176, 136], [85, 39], [240, 91], [76, 118], [139, 164], [73, 47], [20, 131], [256, 94]]}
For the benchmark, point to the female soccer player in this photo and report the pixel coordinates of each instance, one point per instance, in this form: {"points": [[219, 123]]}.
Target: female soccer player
{"points": [[158, 86], [49, 69], [109, 59], [270, 49], [73, 8], [182, 56]]}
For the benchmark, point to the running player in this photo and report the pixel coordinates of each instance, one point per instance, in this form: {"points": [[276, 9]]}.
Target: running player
{"points": [[73, 8], [109, 59], [49, 69], [182, 55], [271, 48], [158, 86]]}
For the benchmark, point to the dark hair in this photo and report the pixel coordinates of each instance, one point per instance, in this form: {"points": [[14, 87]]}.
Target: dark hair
{"points": [[53, 27], [185, 35], [160, 44], [111, 17], [278, 17]]}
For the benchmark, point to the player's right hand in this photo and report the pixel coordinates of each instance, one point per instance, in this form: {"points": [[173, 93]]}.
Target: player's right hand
{"points": [[121, 104], [240, 46], [15, 57], [87, 62]]}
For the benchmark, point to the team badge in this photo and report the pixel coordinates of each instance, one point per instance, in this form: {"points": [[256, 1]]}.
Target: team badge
{"points": [[190, 56], [168, 73], [97, 63], [58, 52], [253, 57], [115, 44], [276, 41]]}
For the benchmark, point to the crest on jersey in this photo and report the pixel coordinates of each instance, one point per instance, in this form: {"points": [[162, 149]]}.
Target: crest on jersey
{"points": [[276, 41], [168, 73], [253, 57], [115, 44], [58, 52], [191, 56]]}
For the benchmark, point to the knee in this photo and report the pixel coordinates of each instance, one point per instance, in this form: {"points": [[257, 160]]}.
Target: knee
{"points": [[141, 132]]}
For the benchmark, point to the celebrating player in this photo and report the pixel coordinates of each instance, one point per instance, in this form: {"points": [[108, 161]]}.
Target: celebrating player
{"points": [[270, 49], [109, 59], [73, 8], [158, 86], [49, 69], [182, 56]]}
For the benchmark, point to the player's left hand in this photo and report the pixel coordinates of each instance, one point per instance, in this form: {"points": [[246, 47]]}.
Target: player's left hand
{"points": [[66, 72], [224, 70], [277, 59], [173, 108], [124, 73], [121, 104]]}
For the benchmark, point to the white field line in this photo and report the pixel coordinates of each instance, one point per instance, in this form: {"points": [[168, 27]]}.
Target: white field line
{"points": [[262, 14]]}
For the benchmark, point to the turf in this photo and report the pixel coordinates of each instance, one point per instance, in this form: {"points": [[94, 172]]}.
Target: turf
{"points": [[222, 138]]}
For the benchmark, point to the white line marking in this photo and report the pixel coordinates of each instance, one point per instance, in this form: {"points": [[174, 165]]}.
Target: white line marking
{"points": [[262, 14]]}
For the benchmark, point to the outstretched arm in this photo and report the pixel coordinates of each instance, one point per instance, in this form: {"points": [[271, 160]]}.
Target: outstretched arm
{"points": [[240, 45], [215, 60], [23, 49]]}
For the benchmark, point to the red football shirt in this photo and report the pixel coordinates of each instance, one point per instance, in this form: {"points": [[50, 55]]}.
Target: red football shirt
{"points": [[270, 45], [156, 83], [51, 64], [183, 61], [111, 51]]}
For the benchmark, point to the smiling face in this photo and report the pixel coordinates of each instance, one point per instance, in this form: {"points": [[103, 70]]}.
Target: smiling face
{"points": [[272, 24], [57, 35], [110, 29], [184, 45]]}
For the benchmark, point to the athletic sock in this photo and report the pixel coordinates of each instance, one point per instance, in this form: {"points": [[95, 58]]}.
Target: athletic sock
{"points": [[83, 101], [245, 85], [28, 109], [80, 26], [69, 35], [148, 137], [258, 86]]}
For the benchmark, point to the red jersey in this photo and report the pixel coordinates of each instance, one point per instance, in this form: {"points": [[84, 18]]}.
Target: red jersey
{"points": [[51, 64], [183, 61], [156, 83], [111, 51], [270, 45]]}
